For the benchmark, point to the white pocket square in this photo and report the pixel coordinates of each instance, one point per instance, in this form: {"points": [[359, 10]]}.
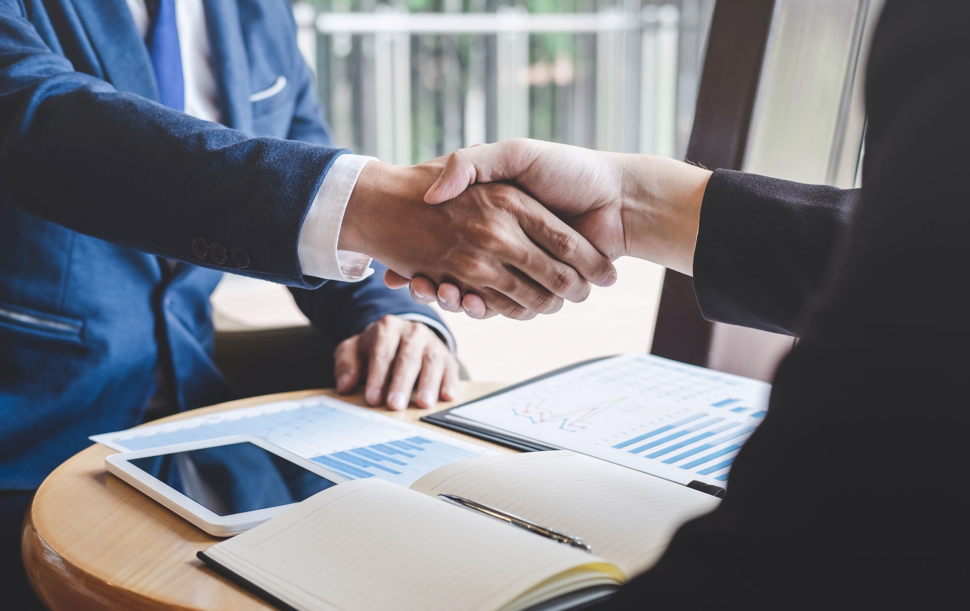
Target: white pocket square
{"points": [[273, 89]]}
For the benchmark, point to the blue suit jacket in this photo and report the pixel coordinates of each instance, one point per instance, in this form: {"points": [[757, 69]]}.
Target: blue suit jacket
{"points": [[97, 180]]}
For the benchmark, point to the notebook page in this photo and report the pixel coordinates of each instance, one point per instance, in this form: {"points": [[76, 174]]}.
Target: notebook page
{"points": [[627, 517], [370, 545]]}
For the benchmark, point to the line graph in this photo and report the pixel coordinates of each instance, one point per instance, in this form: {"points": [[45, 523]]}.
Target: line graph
{"points": [[572, 419], [665, 418]]}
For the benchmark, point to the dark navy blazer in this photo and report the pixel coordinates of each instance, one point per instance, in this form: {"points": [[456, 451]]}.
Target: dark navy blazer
{"points": [[97, 181]]}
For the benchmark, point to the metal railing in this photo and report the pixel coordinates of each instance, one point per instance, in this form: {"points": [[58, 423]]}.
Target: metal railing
{"points": [[407, 87]]}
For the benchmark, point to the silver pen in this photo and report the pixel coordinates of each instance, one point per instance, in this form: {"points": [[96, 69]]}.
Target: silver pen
{"points": [[517, 521]]}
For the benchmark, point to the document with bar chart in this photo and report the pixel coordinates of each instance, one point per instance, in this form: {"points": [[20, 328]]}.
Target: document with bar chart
{"points": [[353, 441], [654, 415]]}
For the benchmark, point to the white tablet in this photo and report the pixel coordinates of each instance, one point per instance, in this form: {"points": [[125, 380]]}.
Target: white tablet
{"points": [[224, 486]]}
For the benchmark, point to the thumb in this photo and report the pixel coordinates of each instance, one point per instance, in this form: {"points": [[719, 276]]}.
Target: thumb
{"points": [[484, 163]]}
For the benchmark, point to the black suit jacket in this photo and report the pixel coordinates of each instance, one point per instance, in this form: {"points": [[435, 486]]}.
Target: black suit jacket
{"points": [[854, 491]]}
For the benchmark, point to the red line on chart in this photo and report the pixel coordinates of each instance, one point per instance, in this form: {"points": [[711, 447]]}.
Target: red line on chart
{"points": [[573, 421]]}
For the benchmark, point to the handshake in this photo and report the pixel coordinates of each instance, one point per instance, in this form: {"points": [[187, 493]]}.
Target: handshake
{"points": [[515, 228]]}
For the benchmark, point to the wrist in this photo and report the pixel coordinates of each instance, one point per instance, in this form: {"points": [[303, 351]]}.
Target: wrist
{"points": [[379, 203], [660, 210], [353, 228]]}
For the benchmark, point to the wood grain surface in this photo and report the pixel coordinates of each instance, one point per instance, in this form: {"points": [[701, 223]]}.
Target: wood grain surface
{"points": [[90, 541]]}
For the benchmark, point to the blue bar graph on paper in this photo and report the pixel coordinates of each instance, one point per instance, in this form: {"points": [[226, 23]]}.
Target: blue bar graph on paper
{"points": [[403, 445], [662, 429], [722, 478], [708, 446], [724, 403], [386, 449], [362, 462], [699, 448], [676, 435], [760, 414], [680, 445], [740, 410], [717, 467], [314, 426], [711, 456], [372, 455], [342, 468], [399, 461]]}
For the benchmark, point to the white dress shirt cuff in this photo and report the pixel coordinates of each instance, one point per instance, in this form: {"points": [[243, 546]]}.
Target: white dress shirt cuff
{"points": [[436, 326], [320, 233]]}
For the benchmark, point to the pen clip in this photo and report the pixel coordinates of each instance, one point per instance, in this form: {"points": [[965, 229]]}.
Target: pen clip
{"points": [[515, 520]]}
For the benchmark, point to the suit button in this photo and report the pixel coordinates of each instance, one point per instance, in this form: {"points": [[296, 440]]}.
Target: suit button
{"points": [[218, 252], [200, 248], [240, 257]]}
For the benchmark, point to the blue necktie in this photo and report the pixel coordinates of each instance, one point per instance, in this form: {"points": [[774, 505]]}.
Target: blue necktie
{"points": [[163, 48]]}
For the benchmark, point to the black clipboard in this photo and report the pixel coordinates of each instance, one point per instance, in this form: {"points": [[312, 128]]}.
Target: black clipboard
{"points": [[440, 418]]}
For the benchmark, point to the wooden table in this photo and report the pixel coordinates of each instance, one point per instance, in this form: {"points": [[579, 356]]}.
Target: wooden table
{"points": [[91, 541]]}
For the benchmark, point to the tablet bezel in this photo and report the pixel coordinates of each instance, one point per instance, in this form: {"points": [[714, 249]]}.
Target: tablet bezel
{"points": [[206, 519]]}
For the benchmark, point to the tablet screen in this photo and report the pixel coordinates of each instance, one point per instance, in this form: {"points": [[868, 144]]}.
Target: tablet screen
{"points": [[234, 478]]}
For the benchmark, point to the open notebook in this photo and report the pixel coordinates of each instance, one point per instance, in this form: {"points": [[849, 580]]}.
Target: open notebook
{"points": [[369, 544]]}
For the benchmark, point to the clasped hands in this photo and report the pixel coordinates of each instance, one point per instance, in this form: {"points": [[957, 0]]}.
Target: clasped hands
{"points": [[492, 240], [516, 227], [513, 228]]}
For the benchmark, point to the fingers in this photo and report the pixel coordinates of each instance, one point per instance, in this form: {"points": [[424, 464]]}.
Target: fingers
{"points": [[566, 245], [558, 278], [384, 337], [407, 365], [449, 387], [347, 362], [484, 163], [498, 303], [526, 293], [423, 290], [398, 352], [449, 297], [432, 375], [394, 280], [474, 306]]}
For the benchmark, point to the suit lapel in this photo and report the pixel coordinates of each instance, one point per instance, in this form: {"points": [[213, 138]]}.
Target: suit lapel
{"points": [[120, 48], [230, 63]]}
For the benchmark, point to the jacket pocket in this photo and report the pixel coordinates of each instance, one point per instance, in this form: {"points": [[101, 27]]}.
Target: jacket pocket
{"points": [[43, 324], [275, 89]]}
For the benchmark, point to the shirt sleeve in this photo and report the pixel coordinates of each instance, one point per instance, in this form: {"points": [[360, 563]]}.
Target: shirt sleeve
{"points": [[319, 256]]}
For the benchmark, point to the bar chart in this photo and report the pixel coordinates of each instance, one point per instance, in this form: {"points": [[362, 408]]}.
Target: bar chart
{"points": [[654, 415], [701, 443], [400, 461], [350, 440]]}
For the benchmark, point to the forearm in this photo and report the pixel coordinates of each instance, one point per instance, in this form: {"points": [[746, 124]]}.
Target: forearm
{"points": [[116, 166]]}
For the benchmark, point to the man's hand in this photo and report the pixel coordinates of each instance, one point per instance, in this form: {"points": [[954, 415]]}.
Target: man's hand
{"points": [[391, 355], [492, 240], [638, 205]]}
